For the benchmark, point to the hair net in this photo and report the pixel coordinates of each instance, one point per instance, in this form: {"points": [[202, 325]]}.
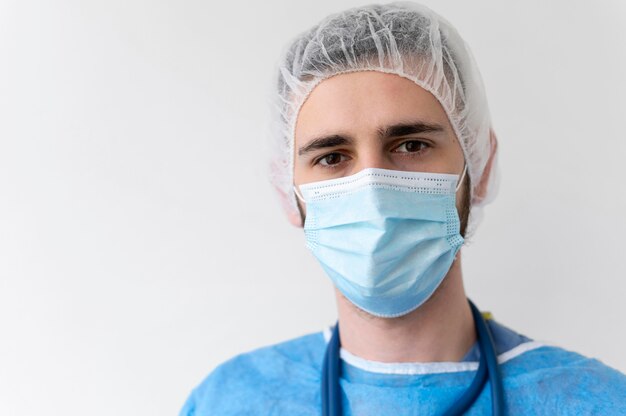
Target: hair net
{"points": [[402, 38]]}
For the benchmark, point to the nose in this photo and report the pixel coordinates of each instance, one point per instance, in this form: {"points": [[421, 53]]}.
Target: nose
{"points": [[371, 158]]}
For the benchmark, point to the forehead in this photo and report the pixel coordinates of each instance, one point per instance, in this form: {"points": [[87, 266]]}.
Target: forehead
{"points": [[362, 101]]}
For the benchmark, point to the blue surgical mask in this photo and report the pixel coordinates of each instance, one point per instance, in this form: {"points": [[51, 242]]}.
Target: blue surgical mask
{"points": [[386, 238]]}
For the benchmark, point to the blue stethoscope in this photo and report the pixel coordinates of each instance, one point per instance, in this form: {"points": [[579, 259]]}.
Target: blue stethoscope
{"points": [[488, 366]]}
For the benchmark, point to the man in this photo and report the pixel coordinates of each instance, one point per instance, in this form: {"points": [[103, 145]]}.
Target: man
{"points": [[385, 154]]}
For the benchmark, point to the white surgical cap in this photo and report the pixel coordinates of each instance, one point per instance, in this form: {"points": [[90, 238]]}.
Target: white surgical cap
{"points": [[406, 39]]}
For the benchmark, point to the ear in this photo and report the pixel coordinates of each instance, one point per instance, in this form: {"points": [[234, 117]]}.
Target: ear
{"points": [[480, 192], [295, 218], [290, 206]]}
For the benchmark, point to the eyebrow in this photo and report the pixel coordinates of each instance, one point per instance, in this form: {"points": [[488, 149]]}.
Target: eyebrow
{"points": [[394, 130], [324, 142], [404, 129]]}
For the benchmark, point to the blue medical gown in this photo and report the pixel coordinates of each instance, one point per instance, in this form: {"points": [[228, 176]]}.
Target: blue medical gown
{"points": [[284, 379]]}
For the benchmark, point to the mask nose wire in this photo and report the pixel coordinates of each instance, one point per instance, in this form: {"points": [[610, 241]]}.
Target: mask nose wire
{"points": [[301, 198], [458, 185]]}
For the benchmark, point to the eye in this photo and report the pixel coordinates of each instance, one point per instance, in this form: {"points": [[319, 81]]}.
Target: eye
{"points": [[411, 146], [330, 159]]}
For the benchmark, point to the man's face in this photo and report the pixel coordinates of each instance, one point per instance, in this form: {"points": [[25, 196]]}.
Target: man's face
{"points": [[371, 119]]}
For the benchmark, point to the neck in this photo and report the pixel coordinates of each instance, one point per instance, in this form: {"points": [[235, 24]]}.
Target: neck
{"points": [[442, 329]]}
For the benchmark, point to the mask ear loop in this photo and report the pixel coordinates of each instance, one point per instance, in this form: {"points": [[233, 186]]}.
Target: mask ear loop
{"points": [[458, 185], [298, 194]]}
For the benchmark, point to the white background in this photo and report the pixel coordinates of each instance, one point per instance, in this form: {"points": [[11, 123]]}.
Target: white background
{"points": [[141, 243]]}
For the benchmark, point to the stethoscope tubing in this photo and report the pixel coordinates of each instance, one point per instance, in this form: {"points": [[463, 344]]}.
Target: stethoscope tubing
{"points": [[487, 368]]}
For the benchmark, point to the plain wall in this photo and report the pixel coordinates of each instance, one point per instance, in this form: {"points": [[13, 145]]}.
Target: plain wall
{"points": [[140, 241]]}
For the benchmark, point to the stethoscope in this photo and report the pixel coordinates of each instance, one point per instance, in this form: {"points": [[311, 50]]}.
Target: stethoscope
{"points": [[488, 366]]}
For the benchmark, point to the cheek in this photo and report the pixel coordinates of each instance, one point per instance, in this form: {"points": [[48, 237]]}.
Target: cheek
{"points": [[302, 172], [299, 177]]}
